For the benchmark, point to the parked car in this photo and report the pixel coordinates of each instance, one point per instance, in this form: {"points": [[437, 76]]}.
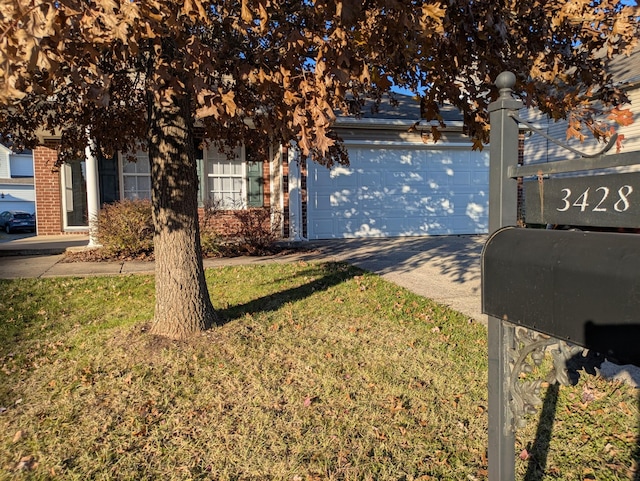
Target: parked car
{"points": [[16, 220]]}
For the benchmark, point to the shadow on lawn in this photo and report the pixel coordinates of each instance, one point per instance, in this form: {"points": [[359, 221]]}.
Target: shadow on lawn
{"points": [[334, 274], [456, 257], [539, 450], [540, 447]]}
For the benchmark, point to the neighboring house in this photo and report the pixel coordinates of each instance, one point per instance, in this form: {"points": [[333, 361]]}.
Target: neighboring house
{"points": [[399, 183], [16, 180], [626, 73]]}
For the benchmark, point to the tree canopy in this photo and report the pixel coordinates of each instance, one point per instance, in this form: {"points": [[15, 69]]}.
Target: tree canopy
{"points": [[282, 69], [133, 74]]}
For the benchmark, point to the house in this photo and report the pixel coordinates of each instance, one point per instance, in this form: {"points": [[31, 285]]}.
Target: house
{"points": [[626, 74], [16, 180], [69, 195], [399, 182]]}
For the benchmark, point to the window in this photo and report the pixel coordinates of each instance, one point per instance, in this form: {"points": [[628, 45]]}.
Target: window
{"points": [[136, 177], [233, 183], [230, 183], [225, 180]]}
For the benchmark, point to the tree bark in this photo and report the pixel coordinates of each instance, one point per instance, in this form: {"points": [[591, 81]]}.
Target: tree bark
{"points": [[183, 306]]}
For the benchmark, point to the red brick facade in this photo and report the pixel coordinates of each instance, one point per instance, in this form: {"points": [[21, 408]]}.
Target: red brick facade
{"points": [[225, 222], [48, 190], [49, 215]]}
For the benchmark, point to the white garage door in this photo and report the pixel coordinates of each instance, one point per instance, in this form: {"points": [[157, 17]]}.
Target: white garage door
{"points": [[390, 192]]}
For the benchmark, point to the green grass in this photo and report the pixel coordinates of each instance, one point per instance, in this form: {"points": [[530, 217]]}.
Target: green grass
{"points": [[321, 372]]}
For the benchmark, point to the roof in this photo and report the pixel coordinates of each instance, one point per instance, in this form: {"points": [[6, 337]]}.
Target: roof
{"points": [[404, 111]]}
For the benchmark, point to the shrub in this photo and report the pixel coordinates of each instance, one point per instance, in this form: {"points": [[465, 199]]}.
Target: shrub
{"points": [[125, 228], [227, 232], [211, 242], [258, 229]]}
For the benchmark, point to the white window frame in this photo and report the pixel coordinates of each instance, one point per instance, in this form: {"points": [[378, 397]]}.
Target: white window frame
{"points": [[210, 157], [205, 176], [122, 161]]}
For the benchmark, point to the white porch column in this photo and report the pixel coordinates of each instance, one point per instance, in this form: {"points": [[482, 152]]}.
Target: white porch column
{"points": [[93, 192], [295, 194]]}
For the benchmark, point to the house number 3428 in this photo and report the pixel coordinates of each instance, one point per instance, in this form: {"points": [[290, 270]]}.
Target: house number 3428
{"points": [[601, 199]]}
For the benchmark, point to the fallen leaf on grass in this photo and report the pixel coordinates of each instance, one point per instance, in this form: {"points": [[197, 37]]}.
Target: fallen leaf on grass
{"points": [[27, 463], [588, 395], [309, 400], [18, 436]]}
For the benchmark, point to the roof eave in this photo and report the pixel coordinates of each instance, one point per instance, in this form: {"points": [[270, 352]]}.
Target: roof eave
{"points": [[395, 124]]}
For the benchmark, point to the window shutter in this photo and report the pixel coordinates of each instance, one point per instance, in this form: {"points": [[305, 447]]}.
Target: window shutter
{"points": [[199, 153], [255, 184]]}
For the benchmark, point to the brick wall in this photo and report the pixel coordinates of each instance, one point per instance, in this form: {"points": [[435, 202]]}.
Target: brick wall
{"points": [[266, 185], [228, 222], [48, 192]]}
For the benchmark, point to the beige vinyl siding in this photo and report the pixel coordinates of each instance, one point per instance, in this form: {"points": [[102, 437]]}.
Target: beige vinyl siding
{"points": [[631, 132], [539, 149], [5, 170]]}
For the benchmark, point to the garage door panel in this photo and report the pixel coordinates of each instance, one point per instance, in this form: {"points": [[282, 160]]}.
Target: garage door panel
{"points": [[479, 161], [435, 225], [461, 178], [457, 159], [323, 228], [322, 202], [414, 177], [480, 178], [370, 180], [397, 192], [435, 181]]}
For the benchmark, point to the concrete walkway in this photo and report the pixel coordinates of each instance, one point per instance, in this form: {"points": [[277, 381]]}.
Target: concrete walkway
{"points": [[443, 268]]}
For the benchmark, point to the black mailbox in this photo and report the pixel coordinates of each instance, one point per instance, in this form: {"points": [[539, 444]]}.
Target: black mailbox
{"points": [[582, 287]]}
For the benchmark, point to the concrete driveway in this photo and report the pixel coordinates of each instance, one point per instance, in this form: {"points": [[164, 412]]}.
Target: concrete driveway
{"points": [[443, 268]]}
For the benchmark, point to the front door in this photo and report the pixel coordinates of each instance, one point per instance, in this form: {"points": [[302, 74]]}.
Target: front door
{"points": [[74, 199]]}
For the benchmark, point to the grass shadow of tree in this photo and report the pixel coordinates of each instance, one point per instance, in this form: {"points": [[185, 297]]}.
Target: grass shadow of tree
{"points": [[333, 274]]}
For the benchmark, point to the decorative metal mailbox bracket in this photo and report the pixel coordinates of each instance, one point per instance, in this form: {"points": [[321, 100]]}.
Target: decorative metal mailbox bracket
{"points": [[571, 293]]}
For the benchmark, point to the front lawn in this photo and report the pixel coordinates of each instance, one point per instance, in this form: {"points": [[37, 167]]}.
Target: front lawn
{"points": [[321, 371]]}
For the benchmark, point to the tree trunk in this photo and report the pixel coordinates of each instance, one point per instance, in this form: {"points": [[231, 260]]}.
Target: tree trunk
{"points": [[183, 306]]}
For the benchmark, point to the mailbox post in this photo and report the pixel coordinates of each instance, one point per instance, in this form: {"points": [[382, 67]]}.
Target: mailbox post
{"points": [[502, 212], [541, 288]]}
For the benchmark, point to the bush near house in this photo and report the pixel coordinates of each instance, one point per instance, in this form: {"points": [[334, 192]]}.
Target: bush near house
{"points": [[251, 231], [125, 230]]}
